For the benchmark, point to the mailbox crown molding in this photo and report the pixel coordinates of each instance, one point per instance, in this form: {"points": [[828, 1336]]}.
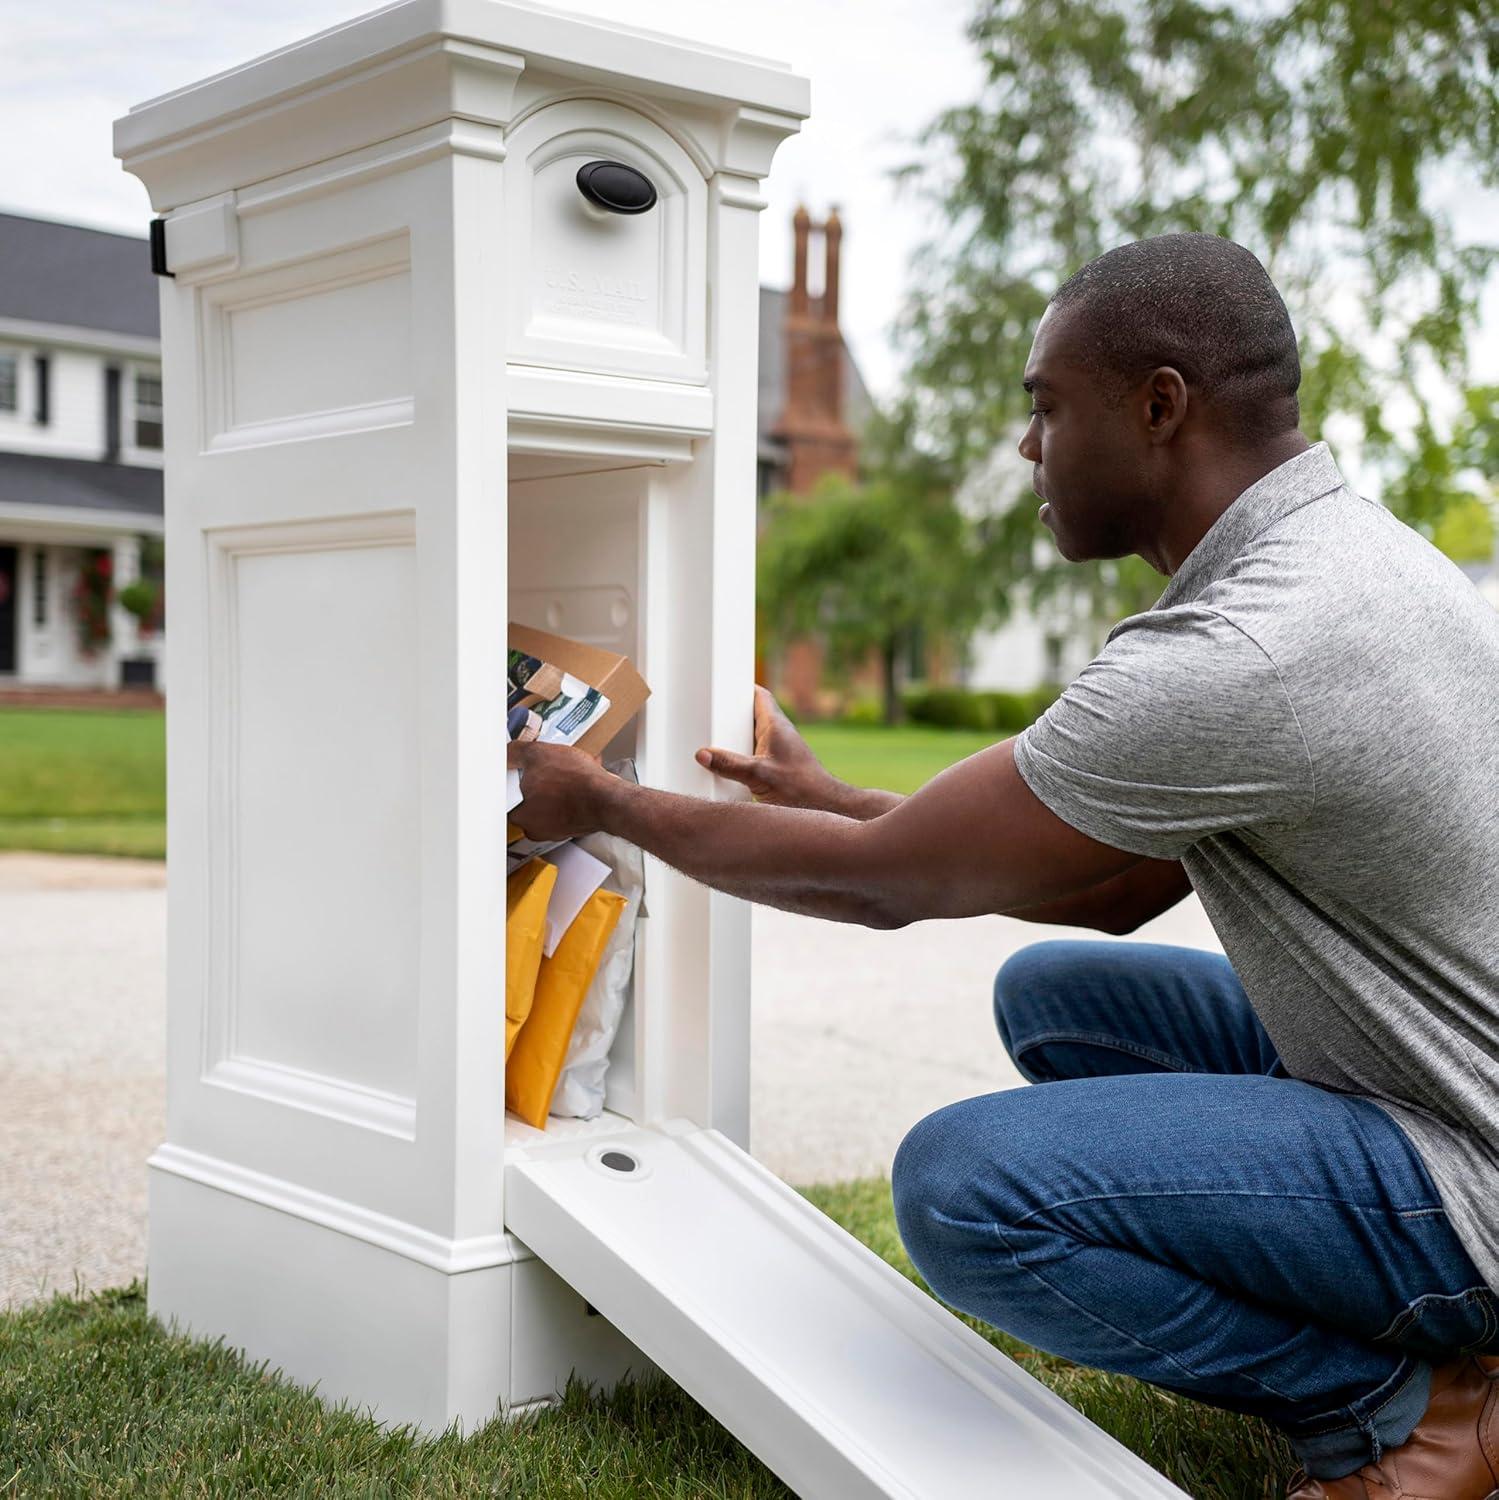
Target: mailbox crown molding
{"points": [[417, 63]]}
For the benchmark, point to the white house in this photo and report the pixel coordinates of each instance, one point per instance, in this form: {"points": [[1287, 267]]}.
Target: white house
{"points": [[1038, 643], [80, 449]]}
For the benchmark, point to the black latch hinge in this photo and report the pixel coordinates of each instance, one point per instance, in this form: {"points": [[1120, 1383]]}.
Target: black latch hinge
{"points": [[159, 248]]}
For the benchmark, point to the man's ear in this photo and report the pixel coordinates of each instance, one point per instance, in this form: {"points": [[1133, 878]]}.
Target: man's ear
{"points": [[1165, 394]]}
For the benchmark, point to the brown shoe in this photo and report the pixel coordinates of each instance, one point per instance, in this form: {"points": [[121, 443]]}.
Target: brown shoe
{"points": [[1452, 1455]]}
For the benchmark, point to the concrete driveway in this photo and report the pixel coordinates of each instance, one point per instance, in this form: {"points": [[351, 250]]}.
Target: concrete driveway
{"points": [[857, 1036]]}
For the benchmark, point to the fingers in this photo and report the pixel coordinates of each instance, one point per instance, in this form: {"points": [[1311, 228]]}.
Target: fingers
{"points": [[750, 770], [726, 763], [769, 716], [767, 710]]}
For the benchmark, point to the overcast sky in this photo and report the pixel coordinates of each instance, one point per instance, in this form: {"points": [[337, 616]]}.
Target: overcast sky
{"points": [[879, 69]]}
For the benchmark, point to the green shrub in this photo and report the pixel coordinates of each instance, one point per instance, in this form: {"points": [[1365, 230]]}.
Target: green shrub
{"points": [[993, 711], [949, 708], [863, 711], [1010, 712], [1042, 698]]}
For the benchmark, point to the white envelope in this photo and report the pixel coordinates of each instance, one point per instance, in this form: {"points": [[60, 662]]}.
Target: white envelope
{"points": [[579, 875]]}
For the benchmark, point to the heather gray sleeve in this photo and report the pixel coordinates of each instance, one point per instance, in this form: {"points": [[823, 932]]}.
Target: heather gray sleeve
{"points": [[1180, 728]]}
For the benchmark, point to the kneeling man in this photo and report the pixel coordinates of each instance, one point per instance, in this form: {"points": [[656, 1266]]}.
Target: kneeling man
{"points": [[1269, 1181]]}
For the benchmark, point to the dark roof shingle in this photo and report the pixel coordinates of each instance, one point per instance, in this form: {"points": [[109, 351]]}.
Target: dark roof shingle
{"points": [[81, 278], [79, 484]]}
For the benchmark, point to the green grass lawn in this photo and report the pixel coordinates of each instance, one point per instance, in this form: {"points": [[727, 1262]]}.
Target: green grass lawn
{"points": [[76, 781], [83, 781], [95, 1400], [900, 759]]}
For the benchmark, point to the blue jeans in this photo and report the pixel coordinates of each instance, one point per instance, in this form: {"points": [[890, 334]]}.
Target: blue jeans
{"points": [[1169, 1204]]}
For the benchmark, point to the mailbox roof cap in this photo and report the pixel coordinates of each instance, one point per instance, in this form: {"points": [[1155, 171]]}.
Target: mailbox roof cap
{"points": [[534, 35]]}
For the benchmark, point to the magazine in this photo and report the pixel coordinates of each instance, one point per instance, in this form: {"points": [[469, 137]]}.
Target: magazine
{"points": [[547, 704]]}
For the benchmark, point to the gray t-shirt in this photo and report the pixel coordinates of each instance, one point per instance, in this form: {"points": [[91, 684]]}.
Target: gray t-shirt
{"points": [[1308, 719]]}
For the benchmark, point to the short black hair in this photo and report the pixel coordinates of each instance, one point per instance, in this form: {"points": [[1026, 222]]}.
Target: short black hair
{"points": [[1203, 305]]}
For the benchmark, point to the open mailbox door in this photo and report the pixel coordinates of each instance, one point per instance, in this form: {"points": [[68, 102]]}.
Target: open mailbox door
{"points": [[841, 1375]]}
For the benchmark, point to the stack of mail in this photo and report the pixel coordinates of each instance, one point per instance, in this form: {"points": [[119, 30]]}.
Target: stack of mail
{"points": [[570, 917]]}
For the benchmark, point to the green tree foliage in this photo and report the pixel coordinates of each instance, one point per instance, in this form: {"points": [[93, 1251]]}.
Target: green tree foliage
{"points": [[1446, 487], [1332, 137], [868, 568]]}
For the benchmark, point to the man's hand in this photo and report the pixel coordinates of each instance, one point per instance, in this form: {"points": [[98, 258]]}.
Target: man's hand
{"points": [[784, 772], [562, 790]]}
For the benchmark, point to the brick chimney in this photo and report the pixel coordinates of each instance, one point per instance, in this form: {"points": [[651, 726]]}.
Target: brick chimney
{"points": [[812, 423]]}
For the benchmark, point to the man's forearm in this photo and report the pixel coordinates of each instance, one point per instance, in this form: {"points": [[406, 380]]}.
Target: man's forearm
{"points": [[859, 802], [798, 859], [974, 839]]}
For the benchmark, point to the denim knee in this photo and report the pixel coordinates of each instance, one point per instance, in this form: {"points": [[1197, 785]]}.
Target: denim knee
{"points": [[920, 1186], [936, 1186]]}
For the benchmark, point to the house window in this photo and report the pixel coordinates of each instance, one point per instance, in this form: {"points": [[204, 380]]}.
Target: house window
{"points": [[10, 381], [39, 586], [147, 409]]}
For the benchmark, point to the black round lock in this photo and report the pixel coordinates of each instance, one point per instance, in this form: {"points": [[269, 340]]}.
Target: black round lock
{"points": [[616, 187], [618, 1161]]}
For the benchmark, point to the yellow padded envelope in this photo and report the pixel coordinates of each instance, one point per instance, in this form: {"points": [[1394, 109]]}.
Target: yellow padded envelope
{"points": [[532, 1069], [527, 893]]}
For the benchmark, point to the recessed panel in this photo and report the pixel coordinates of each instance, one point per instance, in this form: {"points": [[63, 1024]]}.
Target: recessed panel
{"points": [[314, 347], [347, 346], [324, 798]]}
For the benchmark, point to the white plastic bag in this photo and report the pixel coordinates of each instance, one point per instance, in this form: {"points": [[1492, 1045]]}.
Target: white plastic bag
{"points": [[580, 1089]]}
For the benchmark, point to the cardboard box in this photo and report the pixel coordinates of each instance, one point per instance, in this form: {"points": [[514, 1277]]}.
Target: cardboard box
{"points": [[611, 674]]}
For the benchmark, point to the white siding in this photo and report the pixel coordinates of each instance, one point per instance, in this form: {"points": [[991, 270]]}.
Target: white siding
{"points": [[1021, 655], [76, 426]]}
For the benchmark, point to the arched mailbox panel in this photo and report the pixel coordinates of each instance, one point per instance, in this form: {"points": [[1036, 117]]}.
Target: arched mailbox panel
{"points": [[592, 289]]}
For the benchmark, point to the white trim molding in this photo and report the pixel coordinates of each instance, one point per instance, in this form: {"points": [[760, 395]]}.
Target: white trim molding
{"points": [[450, 1256], [66, 336], [63, 523]]}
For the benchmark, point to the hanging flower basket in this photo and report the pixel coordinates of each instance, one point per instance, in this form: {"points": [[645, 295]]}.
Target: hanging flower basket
{"points": [[143, 599], [91, 598]]}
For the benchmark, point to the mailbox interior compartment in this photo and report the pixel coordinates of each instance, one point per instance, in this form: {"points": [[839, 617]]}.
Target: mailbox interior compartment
{"points": [[576, 527], [629, 555]]}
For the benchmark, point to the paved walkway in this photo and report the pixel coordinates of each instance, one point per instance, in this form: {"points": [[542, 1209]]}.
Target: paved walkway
{"points": [[82, 1002], [857, 1036]]}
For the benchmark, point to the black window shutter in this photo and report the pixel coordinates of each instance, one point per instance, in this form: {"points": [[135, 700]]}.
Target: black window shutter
{"points": [[111, 413], [43, 367]]}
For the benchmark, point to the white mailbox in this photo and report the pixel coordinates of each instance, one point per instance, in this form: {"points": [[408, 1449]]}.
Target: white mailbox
{"points": [[419, 383]]}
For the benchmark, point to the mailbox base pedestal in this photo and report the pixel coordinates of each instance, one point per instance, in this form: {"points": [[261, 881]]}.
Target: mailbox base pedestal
{"points": [[380, 1325]]}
